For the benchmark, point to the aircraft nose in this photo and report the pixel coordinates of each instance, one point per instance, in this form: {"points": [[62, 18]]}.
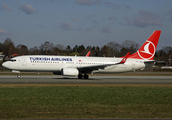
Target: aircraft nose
{"points": [[4, 64]]}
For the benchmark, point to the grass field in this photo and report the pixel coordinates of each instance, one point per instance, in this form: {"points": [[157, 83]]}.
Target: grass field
{"points": [[19, 101]]}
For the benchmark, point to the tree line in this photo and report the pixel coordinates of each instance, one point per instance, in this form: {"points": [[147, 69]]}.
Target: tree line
{"points": [[110, 49]]}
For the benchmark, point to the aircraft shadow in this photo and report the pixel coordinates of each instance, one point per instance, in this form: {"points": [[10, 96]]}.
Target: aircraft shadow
{"points": [[68, 78]]}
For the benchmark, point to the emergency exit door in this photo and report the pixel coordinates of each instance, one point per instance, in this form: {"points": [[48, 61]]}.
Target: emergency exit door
{"points": [[133, 65]]}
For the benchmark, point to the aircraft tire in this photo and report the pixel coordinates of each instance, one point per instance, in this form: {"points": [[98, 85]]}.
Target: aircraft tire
{"points": [[86, 76], [80, 76], [18, 76]]}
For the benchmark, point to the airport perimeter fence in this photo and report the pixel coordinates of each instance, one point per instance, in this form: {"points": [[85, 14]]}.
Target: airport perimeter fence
{"points": [[161, 70]]}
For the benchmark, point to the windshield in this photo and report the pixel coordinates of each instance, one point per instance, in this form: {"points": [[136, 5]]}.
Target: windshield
{"points": [[13, 60]]}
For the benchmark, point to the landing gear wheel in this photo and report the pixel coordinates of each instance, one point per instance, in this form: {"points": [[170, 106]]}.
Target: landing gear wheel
{"points": [[86, 76], [80, 76], [18, 76]]}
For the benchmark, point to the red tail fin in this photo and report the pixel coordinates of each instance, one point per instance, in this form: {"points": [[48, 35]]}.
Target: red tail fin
{"points": [[147, 50]]}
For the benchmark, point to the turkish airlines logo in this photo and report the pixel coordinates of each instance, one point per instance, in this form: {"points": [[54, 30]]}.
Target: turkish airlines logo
{"points": [[147, 51]]}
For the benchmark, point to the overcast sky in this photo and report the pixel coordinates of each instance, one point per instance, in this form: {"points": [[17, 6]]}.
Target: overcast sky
{"points": [[84, 22]]}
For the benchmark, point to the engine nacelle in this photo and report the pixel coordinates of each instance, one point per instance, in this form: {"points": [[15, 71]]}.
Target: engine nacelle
{"points": [[70, 72]]}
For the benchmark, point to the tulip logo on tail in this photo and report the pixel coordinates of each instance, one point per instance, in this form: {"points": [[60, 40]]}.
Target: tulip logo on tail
{"points": [[147, 51]]}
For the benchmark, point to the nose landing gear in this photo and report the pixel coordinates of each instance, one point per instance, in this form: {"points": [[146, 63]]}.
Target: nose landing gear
{"points": [[15, 71], [18, 76]]}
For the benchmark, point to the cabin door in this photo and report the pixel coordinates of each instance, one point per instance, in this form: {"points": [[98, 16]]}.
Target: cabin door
{"points": [[24, 62]]}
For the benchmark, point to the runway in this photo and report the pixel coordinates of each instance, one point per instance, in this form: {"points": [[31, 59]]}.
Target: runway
{"points": [[92, 79]]}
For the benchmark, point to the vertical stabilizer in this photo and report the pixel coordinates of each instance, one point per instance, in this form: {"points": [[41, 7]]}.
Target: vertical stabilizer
{"points": [[147, 50]]}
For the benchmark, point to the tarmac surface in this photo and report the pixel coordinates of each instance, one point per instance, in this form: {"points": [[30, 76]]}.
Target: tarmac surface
{"points": [[92, 79]]}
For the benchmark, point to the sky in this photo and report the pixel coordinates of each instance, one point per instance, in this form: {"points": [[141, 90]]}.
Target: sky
{"points": [[84, 22]]}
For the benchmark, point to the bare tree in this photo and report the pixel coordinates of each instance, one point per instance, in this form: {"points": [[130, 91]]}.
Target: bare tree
{"points": [[129, 46], [46, 48], [61, 47], [114, 49], [1, 46], [58, 49], [34, 51], [8, 47], [21, 49], [105, 51], [167, 54]]}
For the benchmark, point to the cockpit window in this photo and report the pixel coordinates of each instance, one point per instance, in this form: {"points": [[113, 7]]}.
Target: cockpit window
{"points": [[12, 60]]}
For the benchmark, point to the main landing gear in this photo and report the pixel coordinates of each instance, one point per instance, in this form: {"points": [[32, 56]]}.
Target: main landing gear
{"points": [[80, 76]]}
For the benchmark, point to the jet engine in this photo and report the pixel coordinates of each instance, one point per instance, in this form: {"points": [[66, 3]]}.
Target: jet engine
{"points": [[69, 72]]}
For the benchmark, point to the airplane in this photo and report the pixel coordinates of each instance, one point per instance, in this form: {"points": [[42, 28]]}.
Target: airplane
{"points": [[81, 66]]}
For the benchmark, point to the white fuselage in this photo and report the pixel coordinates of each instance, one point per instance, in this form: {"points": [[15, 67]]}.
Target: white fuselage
{"points": [[42, 63]]}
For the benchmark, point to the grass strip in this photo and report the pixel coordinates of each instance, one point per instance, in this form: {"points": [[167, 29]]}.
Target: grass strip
{"points": [[84, 101]]}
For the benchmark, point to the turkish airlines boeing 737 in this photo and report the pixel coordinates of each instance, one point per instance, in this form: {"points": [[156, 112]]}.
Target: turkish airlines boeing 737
{"points": [[81, 66]]}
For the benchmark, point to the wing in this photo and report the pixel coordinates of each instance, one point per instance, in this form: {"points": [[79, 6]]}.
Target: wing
{"points": [[89, 69]]}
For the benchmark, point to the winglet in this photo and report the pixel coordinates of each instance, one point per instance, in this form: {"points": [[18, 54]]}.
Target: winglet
{"points": [[88, 54], [124, 58]]}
